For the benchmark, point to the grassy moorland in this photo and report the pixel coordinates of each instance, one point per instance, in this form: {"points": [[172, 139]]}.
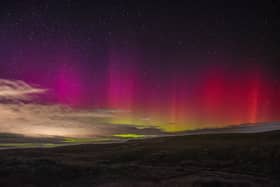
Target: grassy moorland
{"points": [[197, 160]]}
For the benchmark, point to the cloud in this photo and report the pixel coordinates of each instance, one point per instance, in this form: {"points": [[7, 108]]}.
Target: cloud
{"points": [[38, 120], [17, 90]]}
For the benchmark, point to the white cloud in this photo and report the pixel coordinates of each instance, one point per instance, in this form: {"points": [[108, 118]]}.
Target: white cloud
{"points": [[36, 120], [17, 90]]}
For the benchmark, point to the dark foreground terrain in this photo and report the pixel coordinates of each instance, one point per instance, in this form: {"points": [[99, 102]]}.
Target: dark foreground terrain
{"points": [[198, 160]]}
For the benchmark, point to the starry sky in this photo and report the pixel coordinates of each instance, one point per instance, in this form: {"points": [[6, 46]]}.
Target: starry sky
{"points": [[191, 63]]}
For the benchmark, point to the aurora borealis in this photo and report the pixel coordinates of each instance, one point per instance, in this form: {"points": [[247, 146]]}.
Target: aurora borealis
{"points": [[157, 65]]}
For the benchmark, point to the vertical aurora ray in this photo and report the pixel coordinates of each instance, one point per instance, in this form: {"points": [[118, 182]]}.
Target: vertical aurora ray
{"points": [[68, 86], [121, 83], [220, 97], [213, 95], [254, 94], [169, 98]]}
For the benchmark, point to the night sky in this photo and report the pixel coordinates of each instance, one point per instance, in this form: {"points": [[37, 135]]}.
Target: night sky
{"points": [[193, 64]]}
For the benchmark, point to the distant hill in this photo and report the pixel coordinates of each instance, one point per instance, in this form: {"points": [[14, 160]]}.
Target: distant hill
{"points": [[242, 128]]}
